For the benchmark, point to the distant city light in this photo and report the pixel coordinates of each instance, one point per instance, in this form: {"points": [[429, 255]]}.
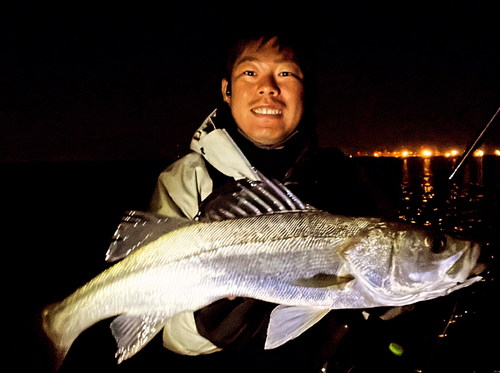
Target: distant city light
{"points": [[426, 153]]}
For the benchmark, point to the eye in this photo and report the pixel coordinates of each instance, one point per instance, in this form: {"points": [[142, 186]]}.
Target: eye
{"points": [[437, 244], [289, 73], [249, 73]]}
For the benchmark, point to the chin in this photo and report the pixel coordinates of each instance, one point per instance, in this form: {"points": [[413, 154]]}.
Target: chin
{"points": [[267, 139]]}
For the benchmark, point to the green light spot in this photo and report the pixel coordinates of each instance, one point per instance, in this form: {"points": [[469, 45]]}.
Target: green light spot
{"points": [[396, 349]]}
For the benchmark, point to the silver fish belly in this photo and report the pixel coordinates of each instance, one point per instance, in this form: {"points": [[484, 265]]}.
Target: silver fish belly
{"points": [[308, 260]]}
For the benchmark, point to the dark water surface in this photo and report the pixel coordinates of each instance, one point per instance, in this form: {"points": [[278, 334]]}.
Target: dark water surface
{"points": [[58, 219], [466, 337]]}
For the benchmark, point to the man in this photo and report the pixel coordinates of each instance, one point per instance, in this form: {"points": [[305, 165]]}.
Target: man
{"points": [[265, 123]]}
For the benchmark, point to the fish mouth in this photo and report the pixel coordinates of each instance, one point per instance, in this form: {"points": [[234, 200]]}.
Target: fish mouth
{"points": [[478, 269], [466, 266]]}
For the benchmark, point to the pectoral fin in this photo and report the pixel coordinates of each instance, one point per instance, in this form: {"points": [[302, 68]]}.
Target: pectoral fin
{"points": [[324, 280], [133, 332], [288, 322]]}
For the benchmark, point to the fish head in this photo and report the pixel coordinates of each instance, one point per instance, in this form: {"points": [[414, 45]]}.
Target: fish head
{"points": [[402, 264]]}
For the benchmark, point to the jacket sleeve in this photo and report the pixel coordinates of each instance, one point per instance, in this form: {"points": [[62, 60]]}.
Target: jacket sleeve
{"points": [[181, 188], [235, 323]]}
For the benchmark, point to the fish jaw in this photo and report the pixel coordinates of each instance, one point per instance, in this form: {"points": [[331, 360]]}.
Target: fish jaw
{"points": [[455, 273], [464, 266], [394, 268]]}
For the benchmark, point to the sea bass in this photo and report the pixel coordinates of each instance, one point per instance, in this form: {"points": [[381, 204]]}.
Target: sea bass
{"points": [[307, 261]]}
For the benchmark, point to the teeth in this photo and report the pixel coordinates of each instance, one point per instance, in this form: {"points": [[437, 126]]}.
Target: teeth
{"points": [[267, 111]]}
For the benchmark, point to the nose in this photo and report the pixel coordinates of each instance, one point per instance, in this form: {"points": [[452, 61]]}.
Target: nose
{"points": [[268, 85]]}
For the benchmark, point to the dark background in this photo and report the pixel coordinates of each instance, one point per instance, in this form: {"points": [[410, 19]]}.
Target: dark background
{"points": [[91, 81], [124, 88]]}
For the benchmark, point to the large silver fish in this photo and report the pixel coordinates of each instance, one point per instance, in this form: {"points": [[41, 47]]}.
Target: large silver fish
{"points": [[307, 261]]}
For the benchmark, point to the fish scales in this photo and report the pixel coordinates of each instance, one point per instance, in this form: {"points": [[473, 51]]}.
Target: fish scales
{"points": [[299, 258], [145, 270]]}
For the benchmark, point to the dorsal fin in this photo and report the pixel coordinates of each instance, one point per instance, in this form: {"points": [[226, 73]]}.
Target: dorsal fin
{"points": [[138, 229], [245, 198]]}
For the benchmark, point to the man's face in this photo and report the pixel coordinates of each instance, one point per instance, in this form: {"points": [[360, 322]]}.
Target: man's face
{"points": [[267, 92]]}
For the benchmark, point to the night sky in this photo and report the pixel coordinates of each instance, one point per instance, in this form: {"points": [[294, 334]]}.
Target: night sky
{"points": [[93, 82]]}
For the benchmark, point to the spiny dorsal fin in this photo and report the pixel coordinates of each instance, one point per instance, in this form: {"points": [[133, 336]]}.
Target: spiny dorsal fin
{"points": [[138, 229], [246, 198]]}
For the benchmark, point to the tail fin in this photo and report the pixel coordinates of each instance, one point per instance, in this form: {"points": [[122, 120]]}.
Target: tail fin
{"points": [[60, 342]]}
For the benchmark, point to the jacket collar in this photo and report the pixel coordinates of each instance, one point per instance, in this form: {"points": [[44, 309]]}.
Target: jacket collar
{"points": [[220, 150]]}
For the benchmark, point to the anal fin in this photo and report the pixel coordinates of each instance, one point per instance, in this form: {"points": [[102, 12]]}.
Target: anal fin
{"points": [[133, 332]]}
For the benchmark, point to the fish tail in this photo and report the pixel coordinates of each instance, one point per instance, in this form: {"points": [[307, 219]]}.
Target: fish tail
{"points": [[60, 342]]}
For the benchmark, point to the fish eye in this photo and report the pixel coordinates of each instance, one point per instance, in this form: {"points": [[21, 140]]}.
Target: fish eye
{"points": [[437, 244]]}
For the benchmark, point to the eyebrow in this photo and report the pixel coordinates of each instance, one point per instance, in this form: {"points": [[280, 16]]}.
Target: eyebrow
{"points": [[255, 59]]}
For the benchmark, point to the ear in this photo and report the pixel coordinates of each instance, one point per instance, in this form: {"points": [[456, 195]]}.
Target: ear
{"points": [[224, 85]]}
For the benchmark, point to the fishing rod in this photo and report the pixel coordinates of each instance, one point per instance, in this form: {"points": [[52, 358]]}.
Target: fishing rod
{"points": [[473, 146], [470, 150]]}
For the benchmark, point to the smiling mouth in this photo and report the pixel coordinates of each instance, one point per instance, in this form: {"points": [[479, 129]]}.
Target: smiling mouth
{"points": [[266, 111]]}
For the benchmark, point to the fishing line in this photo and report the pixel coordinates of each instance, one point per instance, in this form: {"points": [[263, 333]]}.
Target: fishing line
{"points": [[443, 334], [475, 144]]}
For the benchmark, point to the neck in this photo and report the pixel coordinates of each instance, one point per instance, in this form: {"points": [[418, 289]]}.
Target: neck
{"points": [[273, 160], [279, 145]]}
